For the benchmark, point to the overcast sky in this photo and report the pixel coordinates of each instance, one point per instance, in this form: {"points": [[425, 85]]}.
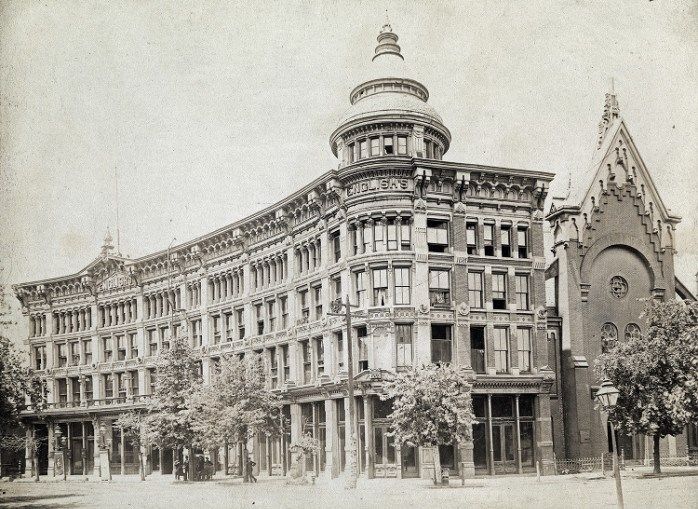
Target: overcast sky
{"points": [[212, 110]]}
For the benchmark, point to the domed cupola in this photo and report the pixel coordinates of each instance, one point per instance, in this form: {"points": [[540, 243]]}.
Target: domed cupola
{"points": [[389, 113]]}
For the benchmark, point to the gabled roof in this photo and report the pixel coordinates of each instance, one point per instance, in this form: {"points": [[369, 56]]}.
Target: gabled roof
{"points": [[583, 187], [683, 291]]}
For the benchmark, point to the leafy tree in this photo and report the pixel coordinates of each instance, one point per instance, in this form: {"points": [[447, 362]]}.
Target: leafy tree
{"points": [[16, 382], [169, 422], [306, 446], [235, 406], [132, 425], [432, 406], [655, 373]]}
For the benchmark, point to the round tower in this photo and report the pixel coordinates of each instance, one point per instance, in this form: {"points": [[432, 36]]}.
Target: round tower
{"points": [[389, 113]]}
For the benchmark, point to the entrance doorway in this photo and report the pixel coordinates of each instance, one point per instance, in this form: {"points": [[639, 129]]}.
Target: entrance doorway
{"points": [[410, 461]]}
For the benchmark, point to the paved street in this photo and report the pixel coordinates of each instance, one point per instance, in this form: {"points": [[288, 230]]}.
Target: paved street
{"points": [[558, 491]]}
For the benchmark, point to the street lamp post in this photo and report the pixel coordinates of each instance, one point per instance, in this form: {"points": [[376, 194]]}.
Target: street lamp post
{"points": [[352, 460], [607, 395]]}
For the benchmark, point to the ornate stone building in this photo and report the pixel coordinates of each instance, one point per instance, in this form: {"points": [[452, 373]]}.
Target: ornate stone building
{"points": [[445, 261], [613, 245]]}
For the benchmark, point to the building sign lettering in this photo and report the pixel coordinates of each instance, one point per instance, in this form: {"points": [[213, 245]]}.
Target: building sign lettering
{"points": [[114, 282], [379, 184]]}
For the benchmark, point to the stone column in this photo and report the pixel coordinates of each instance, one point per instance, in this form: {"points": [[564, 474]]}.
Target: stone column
{"points": [[467, 465], [332, 457], [296, 467], [490, 463], [97, 441], [29, 452], [51, 472], [544, 438], [368, 442]]}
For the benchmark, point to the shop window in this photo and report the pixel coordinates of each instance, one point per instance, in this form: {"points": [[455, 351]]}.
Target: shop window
{"points": [[441, 347], [477, 348], [526, 406], [437, 235], [502, 406]]}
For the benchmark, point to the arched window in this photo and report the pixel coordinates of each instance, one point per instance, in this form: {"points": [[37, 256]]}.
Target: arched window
{"points": [[609, 336], [632, 330]]}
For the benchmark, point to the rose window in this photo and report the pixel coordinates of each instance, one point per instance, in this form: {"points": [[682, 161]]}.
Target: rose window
{"points": [[618, 287]]}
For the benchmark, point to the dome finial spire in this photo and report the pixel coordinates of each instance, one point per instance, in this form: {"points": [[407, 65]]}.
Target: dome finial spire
{"points": [[387, 41]]}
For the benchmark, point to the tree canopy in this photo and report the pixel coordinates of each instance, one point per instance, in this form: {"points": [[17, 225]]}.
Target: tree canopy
{"points": [[655, 372]]}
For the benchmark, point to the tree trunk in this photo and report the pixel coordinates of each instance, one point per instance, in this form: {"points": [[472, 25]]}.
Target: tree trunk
{"points": [[192, 466], [35, 460], [141, 468], [437, 466], [245, 464], [657, 465]]}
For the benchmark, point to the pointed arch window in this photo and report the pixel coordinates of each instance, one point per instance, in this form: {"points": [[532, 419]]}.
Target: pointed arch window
{"points": [[632, 331], [609, 336]]}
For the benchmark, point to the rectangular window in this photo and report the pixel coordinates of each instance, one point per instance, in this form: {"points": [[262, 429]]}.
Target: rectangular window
{"points": [[380, 287], [505, 233], [135, 389], [471, 238], [405, 235], [133, 344], [319, 356], [379, 236], [363, 149], [350, 148], [197, 333], [121, 384], [488, 239], [271, 315], [439, 287], [475, 289], [522, 242], [152, 380], [317, 298], [362, 341], [228, 325], [62, 390], [340, 350], [525, 349], [402, 145], [336, 286], [303, 305], [354, 241], [89, 393], [286, 362], [403, 340], [75, 382], [522, 301], [477, 348], [499, 291], [440, 343], [402, 285], [108, 382], [164, 338], [307, 364], [367, 235], [283, 302], [437, 235], [40, 357], [240, 319], [106, 348], [62, 354], [501, 349], [120, 348], [388, 145], [75, 353], [392, 235], [336, 245], [360, 286], [152, 342], [259, 318], [375, 146]]}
